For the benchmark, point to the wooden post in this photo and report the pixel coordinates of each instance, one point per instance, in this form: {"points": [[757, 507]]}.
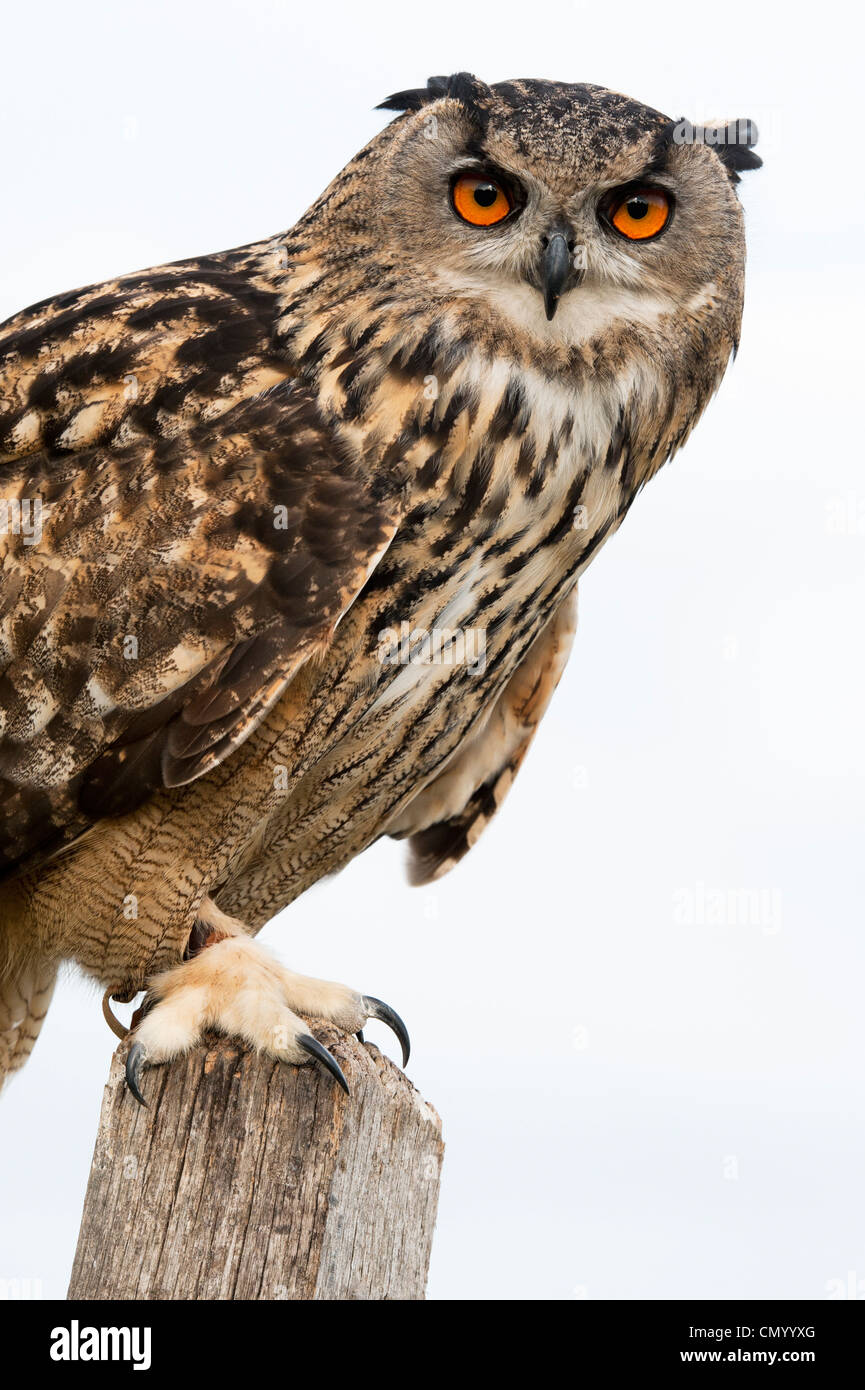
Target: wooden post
{"points": [[249, 1179]]}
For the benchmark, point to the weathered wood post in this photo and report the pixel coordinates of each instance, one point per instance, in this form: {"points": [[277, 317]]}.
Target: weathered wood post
{"points": [[248, 1179]]}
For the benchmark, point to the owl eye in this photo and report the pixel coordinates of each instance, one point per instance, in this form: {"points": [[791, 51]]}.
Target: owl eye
{"points": [[640, 213], [480, 200]]}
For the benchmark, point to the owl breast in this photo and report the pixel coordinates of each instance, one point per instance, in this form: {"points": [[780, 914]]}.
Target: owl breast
{"points": [[526, 484], [515, 479], [474, 576]]}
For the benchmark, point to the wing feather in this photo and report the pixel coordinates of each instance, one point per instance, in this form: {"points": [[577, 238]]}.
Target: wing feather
{"points": [[449, 815], [175, 588]]}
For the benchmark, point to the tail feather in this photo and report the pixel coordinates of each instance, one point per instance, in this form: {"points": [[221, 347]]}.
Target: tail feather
{"points": [[24, 1000]]}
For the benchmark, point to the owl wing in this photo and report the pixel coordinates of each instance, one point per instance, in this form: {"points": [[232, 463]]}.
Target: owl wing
{"points": [[156, 599], [448, 816]]}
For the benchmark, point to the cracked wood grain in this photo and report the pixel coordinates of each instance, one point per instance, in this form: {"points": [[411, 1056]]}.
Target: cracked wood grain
{"points": [[248, 1179]]}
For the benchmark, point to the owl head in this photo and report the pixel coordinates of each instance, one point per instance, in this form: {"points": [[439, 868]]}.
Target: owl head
{"points": [[555, 201], [559, 211]]}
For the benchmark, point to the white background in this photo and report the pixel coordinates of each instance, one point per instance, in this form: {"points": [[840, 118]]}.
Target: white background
{"points": [[635, 1105]]}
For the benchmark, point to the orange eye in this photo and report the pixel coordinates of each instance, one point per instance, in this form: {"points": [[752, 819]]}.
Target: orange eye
{"points": [[480, 201], [642, 213]]}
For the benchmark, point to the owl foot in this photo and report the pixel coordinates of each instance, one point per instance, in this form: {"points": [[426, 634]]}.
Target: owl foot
{"points": [[237, 987]]}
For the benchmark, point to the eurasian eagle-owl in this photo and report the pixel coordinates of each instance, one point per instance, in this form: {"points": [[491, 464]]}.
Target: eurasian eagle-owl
{"points": [[292, 534]]}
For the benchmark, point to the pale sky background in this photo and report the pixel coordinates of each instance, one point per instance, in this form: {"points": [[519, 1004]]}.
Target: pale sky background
{"points": [[636, 1103]]}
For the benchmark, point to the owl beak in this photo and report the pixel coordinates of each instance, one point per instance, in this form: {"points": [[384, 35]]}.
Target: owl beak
{"points": [[556, 268]]}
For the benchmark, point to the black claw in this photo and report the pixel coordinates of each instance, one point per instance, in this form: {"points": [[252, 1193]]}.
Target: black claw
{"points": [[385, 1014], [359, 1035], [134, 1058], [321, 1054]]}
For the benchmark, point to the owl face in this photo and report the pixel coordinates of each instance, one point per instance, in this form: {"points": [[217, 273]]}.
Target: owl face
{"points": [[563, 209]]}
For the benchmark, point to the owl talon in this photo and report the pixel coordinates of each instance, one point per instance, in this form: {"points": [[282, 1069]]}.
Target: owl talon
{"points": [[135, 1057], [376, 1008], [327, 1059], [237, 988]]}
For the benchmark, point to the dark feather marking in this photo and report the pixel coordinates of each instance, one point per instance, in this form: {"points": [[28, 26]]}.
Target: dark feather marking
{"points": [[475, 489], [525, 458], [536, 483], [512, 414], [430, 471], [472, 94]]}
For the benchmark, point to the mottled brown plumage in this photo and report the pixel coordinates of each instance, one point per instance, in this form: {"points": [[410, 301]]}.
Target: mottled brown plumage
{"points": [[251, 470]]}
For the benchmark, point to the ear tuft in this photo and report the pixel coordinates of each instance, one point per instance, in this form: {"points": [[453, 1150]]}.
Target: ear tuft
{"points": [[734, 146], [733, 142], [464, 87]]}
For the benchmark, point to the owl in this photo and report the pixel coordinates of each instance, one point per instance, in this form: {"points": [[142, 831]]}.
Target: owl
{"points": [[291, 535]]}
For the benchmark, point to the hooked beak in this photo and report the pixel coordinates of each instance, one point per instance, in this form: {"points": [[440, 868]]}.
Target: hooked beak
{"points": [[556, 269]]}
